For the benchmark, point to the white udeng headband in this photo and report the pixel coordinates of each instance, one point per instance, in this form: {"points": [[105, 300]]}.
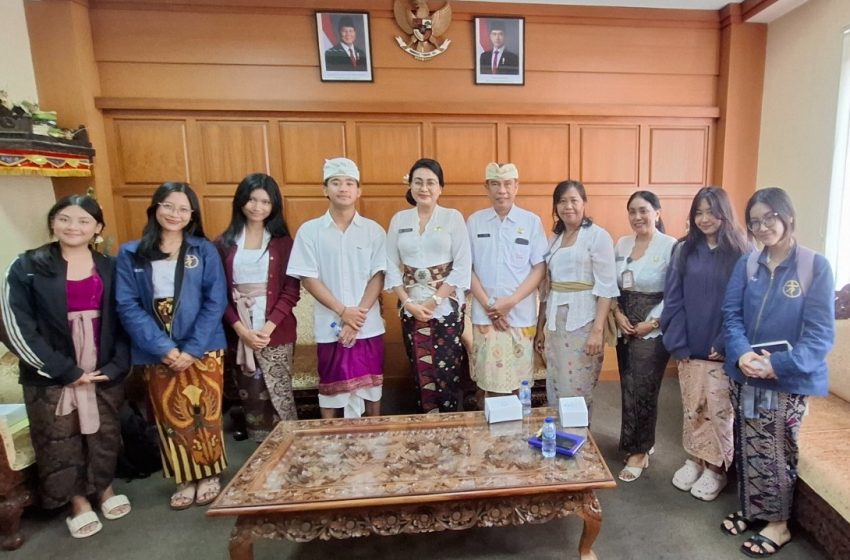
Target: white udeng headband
{"points": [[498, 173], [340, 167]]}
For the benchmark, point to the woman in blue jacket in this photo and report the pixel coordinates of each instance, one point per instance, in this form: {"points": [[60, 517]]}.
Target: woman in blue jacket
{"points": [[171, 296], [783, 296]]}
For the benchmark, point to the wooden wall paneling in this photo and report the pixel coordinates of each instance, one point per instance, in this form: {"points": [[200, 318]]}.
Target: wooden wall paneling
{"points": [[678, 155], [217, 210], [473, 198], [541, 152], [382, 208], [275, 151], [575, 153], [152, 151], [232, 149], [388, 149], [643, 155], [299, 209], [464, 149], [134, 214], [609, 154], [305, 145]]}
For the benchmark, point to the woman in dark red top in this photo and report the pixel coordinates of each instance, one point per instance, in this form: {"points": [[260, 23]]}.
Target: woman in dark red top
{"points": [[255, 250]]}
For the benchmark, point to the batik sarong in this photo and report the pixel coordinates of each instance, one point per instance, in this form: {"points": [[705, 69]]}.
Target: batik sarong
{"points": [[766, 454], [570, 371], [68, 462], [187, 409], [436, 358], [641, 362], [266, 394], [707, 414], [501, 360]]}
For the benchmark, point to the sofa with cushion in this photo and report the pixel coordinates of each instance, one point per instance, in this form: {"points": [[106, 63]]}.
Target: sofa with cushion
{"points": [[822, 500]]}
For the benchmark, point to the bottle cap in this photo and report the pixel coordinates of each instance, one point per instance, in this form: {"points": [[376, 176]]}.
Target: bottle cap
{"points": [[550, 419], [525, 382]]}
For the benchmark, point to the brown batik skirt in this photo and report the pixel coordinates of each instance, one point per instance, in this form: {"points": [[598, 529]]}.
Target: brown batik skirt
{"points": [[69, 463], [187, 409]]}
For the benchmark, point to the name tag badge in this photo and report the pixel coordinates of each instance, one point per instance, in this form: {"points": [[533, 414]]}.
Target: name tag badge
{"points": [[480, 235], [521, 241], [628, 279], [405, 230]]}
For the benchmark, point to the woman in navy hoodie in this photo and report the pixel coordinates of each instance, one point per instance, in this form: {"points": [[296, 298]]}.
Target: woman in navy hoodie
{"points": [[783, 295], [171, 296]]}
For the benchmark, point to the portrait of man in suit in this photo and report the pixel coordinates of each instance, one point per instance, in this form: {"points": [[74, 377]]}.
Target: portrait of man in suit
{"points": [[345, 55], [498, 60]]}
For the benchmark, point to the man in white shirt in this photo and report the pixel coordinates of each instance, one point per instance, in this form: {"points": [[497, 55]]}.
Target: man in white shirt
{"points": [[340, 258], [508, 245]]}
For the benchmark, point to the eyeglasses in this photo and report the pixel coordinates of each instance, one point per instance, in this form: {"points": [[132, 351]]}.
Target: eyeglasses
{"points": [[178, 210], [768, 221]]}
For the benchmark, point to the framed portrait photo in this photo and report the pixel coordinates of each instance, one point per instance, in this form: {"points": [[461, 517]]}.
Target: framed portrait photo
{"points": [[345, 50], [499, 50]]}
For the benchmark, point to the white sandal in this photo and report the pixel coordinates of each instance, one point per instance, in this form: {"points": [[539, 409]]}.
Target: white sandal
{"points": [[709, 485], [115, 502], [687, 475], [76, 524], [630, 473]]}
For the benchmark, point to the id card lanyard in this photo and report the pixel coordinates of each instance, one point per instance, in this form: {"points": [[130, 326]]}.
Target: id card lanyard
{"points": [[627, 278]]}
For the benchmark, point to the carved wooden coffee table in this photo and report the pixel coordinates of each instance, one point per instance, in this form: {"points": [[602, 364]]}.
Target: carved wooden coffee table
{"points": [[337, 479]]}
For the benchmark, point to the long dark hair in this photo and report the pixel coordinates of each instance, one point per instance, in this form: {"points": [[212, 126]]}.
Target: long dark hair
{"points": [[731, 239], [149, 243], [559, 191], [42, 257], [778, 201], [275, 224], [427, 163], [653, 201]]}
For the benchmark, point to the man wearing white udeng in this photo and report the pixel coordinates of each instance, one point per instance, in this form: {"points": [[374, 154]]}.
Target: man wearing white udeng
{"points": [[508, 244]]}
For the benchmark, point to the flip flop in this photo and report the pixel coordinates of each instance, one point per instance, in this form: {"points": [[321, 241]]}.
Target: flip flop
{"points": [[113, 503], [740, 524], [760, 540], [76, 524]]}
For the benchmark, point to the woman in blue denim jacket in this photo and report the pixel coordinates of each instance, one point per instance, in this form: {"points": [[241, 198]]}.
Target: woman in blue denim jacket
{"points": [[171, 295], [784, 296]]}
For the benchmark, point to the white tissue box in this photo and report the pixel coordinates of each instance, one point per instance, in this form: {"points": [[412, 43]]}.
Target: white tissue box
{"points": [[502, 409], [573, 412]]}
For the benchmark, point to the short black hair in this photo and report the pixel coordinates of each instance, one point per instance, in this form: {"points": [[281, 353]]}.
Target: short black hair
{"points": [[345, 21], [497, 25]]}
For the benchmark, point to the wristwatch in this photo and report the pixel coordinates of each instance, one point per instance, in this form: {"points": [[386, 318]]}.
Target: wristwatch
{"points": [[654, 323], [437, 299], [491, 302]]}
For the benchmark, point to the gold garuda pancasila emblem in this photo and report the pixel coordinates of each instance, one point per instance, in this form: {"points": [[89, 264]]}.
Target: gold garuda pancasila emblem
{"points": [[423, 28]]}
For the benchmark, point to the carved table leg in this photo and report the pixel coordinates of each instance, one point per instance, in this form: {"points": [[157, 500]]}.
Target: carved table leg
{"points": [[11, 509], [591, 513], [242, 541]]}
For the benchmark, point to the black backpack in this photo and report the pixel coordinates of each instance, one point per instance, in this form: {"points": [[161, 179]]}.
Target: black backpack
{"points": [[139, 456]]}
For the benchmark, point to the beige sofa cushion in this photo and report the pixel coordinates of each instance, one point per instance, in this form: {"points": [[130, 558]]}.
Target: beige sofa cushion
{"points": [[11, 391], [839, 361], [825, 451]]}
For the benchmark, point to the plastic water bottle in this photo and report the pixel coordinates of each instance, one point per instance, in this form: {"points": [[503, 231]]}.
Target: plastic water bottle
{"points": [[549, 437], [525, 397], [337, 328]]}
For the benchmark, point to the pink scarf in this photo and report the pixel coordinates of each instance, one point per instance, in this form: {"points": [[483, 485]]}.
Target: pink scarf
{"points": [[243, 297], [82, 398]]}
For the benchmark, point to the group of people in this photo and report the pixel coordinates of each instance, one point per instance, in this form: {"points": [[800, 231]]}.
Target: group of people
{"points": [[175, 303]]}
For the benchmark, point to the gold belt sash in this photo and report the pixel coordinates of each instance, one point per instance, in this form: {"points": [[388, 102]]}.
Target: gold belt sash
{"points": [[609, 330]]}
